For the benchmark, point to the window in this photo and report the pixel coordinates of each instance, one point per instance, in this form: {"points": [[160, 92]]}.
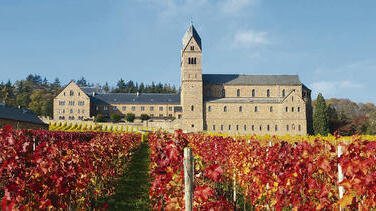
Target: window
{"points": [[124, 108], [160, 108], [225, 108], [105, 108], [192, 48], [97, 108], [287, 109], [143, 108], [253, 128], [223, 93], [237, 127], [213, 127], [245, 127], [192, 108], [238, 92], [189, 60], [287, 127], [292, 109], [194, 60], [268, 127], [298, 109], [133, 108], [78, 111], [299, 127], [229, 127], [151, 108], [114, 108], [83, 111], [292, 98], [170, 108], [64, 93], [71, 103], [79, 94], [268, 93], [208, 93], [283, 93], [81, 103], [276, 127], [256, 109], [221, 127], [179, 116], [61, 102], [271, 108], [209, 108], [240, 109], [71, 111], [160, 115], [260, 127], [293, 126], [71, 93]]}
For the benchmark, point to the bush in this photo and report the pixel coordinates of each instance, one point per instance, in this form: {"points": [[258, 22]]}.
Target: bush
{"points": [[115, 117], [99, 118], [130, 117], [144, 117]]}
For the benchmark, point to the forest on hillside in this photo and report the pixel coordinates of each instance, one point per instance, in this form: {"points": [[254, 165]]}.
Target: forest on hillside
{"points": [[37, 93]]}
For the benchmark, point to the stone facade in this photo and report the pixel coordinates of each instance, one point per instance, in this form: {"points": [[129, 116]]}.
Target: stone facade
{"points": [[234, 104]]}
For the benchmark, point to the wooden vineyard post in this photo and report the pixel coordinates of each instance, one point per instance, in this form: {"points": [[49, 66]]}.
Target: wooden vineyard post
{"points": [[188, 178], [234, 191], [341, 189]]}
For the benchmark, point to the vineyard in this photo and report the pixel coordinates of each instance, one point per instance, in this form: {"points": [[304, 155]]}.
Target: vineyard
{"points": [[59, 169]]}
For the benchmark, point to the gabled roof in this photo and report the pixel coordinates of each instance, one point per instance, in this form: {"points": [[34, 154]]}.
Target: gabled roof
{"points": [[19, 114], [191, 32], [236, 79], [89, 90], [133, 98]]}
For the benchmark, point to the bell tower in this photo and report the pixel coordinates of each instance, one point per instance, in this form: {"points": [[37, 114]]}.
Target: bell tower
{"points": [[191, 81]]}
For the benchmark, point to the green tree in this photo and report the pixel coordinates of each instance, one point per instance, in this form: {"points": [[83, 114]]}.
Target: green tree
{"points": [[321, 116], [144, 117], [115, 117], [130, 117], [99, 118]]}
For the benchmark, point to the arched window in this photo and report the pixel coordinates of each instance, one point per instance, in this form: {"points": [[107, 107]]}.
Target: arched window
{"points": [[223, 93], [71, 93], [237, 127], [189, 60], [229, 127], [192, 48], [260, 127], [298, 109], [225, 108], [221, 127], [283, 93], [213, 127], [268, 93], [238, 92], [271, 109], [253, 128], [240, 109], [276, 127], [293, 126], [268, 127], [292, 109], [287, 127], [253, 93], [287, 109], [209, 108], [192, 108], [194, 60], [256, 109], [245, 127], [299, 127], [292, 98]]}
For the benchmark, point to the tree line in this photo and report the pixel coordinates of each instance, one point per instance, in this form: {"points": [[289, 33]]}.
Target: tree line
{"points": [[37, 93], [344, 116]]}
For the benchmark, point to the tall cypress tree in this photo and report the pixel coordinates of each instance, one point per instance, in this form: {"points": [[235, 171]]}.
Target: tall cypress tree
{"points": [[321, 116]]}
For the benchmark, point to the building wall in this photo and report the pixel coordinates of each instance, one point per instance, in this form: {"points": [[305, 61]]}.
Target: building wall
{"points": [[71, 104], [153, 110], [22, 125]]}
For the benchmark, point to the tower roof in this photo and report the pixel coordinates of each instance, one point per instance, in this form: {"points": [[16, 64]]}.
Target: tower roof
{"points": [[191, 32]]}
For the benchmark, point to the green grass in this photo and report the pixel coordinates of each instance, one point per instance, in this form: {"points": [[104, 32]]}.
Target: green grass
{"points": [[132, 191]]}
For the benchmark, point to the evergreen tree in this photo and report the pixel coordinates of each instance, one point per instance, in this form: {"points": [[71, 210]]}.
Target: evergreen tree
{"points": [[321, 116]]}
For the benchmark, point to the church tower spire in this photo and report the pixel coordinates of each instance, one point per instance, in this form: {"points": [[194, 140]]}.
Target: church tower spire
{"points": [[191, 81]]}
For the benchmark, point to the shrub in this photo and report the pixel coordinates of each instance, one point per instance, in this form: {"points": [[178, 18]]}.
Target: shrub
{"points": [[115, 117], [144, 117], [130, 117], [99, 118]]}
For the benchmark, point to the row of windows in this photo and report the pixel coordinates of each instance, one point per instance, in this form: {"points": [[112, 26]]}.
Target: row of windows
{"points": [[71, 93], [132, 108], [71, 103], [238, 94], [240, 109], [260, 128], [192, 60], [62, 111]]}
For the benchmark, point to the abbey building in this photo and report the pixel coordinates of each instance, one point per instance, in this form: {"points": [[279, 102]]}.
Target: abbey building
{"points": [[228, 103]]}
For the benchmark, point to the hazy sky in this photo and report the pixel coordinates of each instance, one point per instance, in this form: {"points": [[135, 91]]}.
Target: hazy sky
{"points": [[331, 45]]}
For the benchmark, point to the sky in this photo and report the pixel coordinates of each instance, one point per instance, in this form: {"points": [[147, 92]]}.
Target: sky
{"points": [[329, 44]]}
